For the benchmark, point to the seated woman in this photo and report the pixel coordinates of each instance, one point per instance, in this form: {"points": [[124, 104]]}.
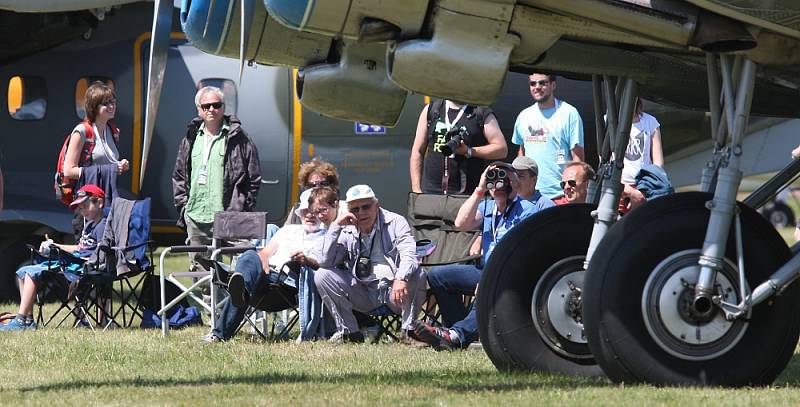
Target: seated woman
{"points": [[256, 272], [89, 201]]}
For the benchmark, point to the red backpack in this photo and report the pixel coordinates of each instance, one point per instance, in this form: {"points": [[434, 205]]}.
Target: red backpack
{"points": [[64, 186]]}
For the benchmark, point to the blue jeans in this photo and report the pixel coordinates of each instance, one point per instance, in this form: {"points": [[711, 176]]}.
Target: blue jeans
{"points": [[449, 283], [255, 282]]}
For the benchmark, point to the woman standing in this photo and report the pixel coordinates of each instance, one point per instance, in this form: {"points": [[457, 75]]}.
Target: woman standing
{"points": [[644, 148], [92, 156]]}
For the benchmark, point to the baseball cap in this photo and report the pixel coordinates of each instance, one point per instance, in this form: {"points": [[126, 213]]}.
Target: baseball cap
{"points": [[84, 193], [523, 163], [359, 192], [304, 197]]}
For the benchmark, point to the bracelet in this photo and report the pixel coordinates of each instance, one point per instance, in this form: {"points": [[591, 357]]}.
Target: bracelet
{"points": [[480, 191], [469, 152]]}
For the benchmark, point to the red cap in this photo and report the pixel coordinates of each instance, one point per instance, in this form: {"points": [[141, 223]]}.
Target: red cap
{"points": [[84, 193]]}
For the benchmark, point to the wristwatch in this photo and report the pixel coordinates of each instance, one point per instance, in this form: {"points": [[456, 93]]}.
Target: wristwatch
{"points": [[469, 152]]}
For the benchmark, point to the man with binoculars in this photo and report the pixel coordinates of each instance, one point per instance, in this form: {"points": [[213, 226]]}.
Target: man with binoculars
{"points": [[368, 258], [449, 283]]}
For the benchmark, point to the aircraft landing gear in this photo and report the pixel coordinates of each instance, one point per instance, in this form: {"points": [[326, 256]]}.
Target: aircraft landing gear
{"points": [[638, 298]]}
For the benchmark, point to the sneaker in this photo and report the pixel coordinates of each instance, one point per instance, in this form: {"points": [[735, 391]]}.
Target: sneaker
{"points": [[211, 338], [411, 339], [439, 338], [17, 325], [237, 290], [341, 337], [371, 332]]}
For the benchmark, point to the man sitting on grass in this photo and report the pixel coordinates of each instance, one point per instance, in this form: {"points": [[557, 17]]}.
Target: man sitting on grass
{"points": [[259, 273], [89, 200]]}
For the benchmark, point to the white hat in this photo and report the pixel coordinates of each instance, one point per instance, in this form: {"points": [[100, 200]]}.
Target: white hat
{"points": [[303, 204], [359, 192]]}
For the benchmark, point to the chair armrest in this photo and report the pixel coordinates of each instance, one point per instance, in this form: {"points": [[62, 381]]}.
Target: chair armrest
{"points": [[188, 249], [134, 247], [235, 249], [461, 260]]}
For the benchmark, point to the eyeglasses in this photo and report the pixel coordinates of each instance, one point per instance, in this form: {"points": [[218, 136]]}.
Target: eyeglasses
{"points": [[317, 184], [109, 103], [570, 182], [207, 106], [542, 82], [321, 211], [364, 208]]}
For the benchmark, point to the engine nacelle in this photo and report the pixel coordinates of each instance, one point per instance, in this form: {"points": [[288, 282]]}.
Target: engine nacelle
{"points": [[346, 18], [466, 59], [268, 42], [355, 88]]}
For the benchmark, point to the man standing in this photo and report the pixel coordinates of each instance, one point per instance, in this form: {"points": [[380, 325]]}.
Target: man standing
{"points": [[575, 182], [450, 282], [550, 132], [368, 259], [452, 146], [217, 169]]}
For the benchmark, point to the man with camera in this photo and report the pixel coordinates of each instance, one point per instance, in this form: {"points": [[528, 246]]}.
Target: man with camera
{"points": [[450, 282], [368, 258], [452, 146]]}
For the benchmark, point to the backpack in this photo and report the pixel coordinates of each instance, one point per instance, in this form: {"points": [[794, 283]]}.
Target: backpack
{"points": [[64, 186]]}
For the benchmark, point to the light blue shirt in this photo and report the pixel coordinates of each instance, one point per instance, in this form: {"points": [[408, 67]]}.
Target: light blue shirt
{"points": [[549, 135], [496, 225]]}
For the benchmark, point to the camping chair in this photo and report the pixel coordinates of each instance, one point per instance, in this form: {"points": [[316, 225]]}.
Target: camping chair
{"points": [[432, 220], [106, 277], [227, 226]]}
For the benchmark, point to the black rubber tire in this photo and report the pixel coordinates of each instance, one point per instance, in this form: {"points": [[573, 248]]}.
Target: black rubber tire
{"points": [[506, 326], [613, 290]]}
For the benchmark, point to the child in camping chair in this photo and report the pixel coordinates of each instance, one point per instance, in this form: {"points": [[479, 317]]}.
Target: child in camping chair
{"points": [[89, 200]]}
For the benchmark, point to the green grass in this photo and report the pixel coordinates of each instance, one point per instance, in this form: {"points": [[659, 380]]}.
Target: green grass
{"points": [[126, 367]]}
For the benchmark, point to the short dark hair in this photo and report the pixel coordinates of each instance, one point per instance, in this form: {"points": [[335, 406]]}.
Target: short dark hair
{"points": [[327, 195], [588, 171], [97, 94], [551, 78]]}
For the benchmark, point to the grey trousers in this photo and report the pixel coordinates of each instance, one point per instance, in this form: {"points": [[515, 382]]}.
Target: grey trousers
{"points": [[342, 294], [199, 234]]}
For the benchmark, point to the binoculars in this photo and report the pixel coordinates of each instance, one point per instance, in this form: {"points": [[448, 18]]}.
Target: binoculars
{"points": [[496, 178]]}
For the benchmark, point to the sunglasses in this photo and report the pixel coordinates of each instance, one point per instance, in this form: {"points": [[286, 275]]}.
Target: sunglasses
{"points": [[207, 106], [357, 209], [542, 82], [317, 184], [320, 211], [570, 182], [109, 103]]}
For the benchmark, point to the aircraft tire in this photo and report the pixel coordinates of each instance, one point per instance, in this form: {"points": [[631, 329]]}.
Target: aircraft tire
{"points": [[549, 244], [639, 283], [12, 256]]}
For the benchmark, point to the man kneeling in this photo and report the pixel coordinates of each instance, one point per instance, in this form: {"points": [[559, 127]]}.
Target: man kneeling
{"points": [[257, 271], [368, 259]]}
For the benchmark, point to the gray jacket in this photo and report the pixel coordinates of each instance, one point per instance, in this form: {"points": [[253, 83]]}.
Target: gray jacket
{"points": [[340, 246]]}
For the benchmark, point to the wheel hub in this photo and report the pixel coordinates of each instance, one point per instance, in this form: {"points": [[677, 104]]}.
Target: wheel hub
{"points": [[556, 308], [672, 319]]}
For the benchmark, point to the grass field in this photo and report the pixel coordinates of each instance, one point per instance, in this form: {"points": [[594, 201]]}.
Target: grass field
{"points": [[138, 367]]}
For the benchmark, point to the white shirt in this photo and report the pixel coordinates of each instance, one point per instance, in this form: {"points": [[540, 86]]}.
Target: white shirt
{"points": [[291, 239], [640, 146]]}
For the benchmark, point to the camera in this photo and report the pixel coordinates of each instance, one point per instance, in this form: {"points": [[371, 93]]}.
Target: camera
{"points": [[455, 137], [363, 267], [496, 178]]}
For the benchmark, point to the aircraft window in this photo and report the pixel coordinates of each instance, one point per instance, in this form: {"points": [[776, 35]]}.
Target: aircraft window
{"points": [[80, 92], [228, 89], [27, 97]]}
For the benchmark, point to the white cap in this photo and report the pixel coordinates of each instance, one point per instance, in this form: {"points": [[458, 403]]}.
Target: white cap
{"points": [[304, 197], [359, 192]]}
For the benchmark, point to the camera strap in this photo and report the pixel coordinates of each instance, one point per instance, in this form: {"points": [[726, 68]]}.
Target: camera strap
{"points": [[503, 217], [449, 126]]}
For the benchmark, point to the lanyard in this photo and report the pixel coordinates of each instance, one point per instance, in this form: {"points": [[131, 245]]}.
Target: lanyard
{"points": [[100, 138], [208, 143], [371, 243], [503, 218], [447, 122]]}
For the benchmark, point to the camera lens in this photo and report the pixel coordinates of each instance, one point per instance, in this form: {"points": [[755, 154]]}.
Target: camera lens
{"points": [[499, 184], [501, 173]]}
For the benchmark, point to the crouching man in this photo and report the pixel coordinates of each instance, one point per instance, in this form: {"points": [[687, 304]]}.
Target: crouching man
{"points": [[368, 259], [451, 282]]}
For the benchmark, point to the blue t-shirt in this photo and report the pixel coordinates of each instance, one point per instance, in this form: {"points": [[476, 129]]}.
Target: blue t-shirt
{"points": [[496, 225], [549, 136], [90, 237], [540, 202]]}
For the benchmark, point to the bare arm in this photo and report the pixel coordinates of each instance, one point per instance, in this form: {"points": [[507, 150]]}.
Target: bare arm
{"points": [[577, 153], [71, 169], [521, 151], [418, 151], [497, 148], [468, 217], [657, 151], [267, 252]]}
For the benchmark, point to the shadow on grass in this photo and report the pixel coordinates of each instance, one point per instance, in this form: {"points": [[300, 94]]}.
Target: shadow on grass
{"points": [[452, 380]]}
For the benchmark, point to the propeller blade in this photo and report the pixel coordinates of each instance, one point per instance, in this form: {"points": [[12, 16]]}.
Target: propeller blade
{"points": [[208, 16], [159, 45], [246, 23]]}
